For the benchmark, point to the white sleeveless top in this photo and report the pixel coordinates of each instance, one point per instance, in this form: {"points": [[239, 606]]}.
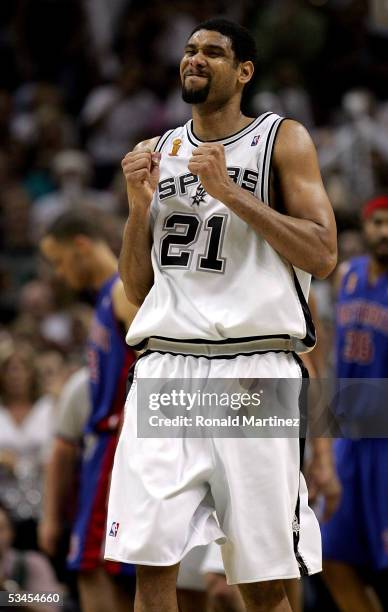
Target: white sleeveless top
{"points": [[215, 278]]}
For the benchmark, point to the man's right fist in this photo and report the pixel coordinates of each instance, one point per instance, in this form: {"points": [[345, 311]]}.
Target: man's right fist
{"points": [[141, 171]]}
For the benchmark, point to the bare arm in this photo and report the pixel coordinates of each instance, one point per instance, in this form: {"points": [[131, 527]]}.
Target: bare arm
{"points": [[59, 480], [306, 235], [124, 310], [141, 173]]}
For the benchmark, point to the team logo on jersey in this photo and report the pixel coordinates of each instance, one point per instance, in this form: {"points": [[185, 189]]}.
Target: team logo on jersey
{"points": [[199, 196], [255, 140], [114, 529], [176, 145], [351, 283]]}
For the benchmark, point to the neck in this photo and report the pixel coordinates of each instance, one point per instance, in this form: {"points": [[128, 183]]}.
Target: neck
{"points": [[105, 266], [211, 122], [376, 269]]}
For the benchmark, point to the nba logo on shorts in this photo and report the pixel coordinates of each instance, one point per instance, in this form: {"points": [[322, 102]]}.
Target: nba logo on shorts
{"points": [[114, 529], [255, 140]]}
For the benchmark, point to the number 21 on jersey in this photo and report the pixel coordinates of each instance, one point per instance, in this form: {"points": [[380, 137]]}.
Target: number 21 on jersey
{"points": [[178, 244]]}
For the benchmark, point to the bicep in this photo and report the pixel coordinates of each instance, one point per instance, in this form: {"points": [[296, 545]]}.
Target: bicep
{"points": [[299, 177]]}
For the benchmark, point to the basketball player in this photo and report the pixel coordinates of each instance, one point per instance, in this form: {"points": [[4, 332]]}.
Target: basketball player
{"points": [[81, 256], [228, 220], [355, 539]]}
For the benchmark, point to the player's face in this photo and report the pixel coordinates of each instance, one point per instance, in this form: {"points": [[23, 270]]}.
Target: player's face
{"points": [[376, 235], [67, 260], [209, 70]]}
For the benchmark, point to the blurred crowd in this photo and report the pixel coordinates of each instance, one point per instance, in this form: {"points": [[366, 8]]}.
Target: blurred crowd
{"points": [[81, 81]]}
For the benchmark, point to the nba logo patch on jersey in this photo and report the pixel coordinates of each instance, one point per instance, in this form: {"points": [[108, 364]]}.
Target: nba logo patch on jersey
{"points": [[255, 140], [114, 529], [176, 145]]}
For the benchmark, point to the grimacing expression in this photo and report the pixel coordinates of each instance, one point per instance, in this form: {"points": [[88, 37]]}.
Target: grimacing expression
{"points": [[209, 70], [376, 235], [68, 261]]}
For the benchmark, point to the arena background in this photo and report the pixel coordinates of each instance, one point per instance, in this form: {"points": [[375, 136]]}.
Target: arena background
{"points": [[81, 81]]}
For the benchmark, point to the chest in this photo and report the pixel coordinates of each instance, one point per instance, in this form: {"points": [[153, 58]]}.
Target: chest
{"points": [[179, 186]]}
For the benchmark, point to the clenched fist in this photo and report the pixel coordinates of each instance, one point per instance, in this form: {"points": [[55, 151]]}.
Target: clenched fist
{"points": [[141, 171], [208, 162]]}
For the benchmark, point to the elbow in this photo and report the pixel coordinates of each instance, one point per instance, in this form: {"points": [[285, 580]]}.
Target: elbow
{"points": [[135, 300], [131, 296], [325, 265], [325, 251]]}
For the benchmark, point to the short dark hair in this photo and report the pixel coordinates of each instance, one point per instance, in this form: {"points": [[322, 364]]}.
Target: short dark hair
{"points": [[72, 224], [243, 43]]}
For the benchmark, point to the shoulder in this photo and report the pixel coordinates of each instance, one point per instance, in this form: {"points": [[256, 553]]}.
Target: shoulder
{"points": [[292, 139], [147, 145]]}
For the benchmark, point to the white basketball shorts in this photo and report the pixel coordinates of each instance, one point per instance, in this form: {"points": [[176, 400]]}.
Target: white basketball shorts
{"points": [[169, 495]]}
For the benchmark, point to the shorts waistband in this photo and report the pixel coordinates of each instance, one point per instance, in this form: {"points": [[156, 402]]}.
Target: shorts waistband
{"points": [[199, 348]]}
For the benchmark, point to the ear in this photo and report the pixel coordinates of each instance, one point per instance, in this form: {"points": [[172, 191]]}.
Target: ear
{"points": [[246, 72], [83, 243]]}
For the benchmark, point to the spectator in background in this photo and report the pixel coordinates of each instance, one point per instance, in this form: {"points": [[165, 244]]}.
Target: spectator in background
{"points": [[300, 35], [17, 253], [24, 570], [26, 430], [72, 171], [61, 53], [357, 146], [40, 127], [51, 320], [53, 373], [113, 117]]}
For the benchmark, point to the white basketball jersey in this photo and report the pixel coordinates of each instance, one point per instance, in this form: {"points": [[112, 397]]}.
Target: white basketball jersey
{"points": [[215, 278]]}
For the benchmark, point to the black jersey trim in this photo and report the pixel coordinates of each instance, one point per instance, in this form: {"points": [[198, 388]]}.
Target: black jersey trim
{"points": [[157, 144], [264, 162], [210, 357], [267, 184], [143, 343], [303, 569], [130, 376], [226, 141], [310, 338], [162, 140]]}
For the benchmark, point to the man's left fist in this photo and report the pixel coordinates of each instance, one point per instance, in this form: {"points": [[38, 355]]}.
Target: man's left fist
{"points": [[209, 164]]}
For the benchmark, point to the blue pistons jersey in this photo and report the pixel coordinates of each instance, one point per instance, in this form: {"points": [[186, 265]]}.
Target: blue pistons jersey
{"points": [[357, 533], [109, 359], [362, 323]]}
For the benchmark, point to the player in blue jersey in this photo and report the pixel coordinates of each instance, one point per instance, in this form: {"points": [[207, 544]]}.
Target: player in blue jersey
{"points": [[79, 253], [355, 540]]}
